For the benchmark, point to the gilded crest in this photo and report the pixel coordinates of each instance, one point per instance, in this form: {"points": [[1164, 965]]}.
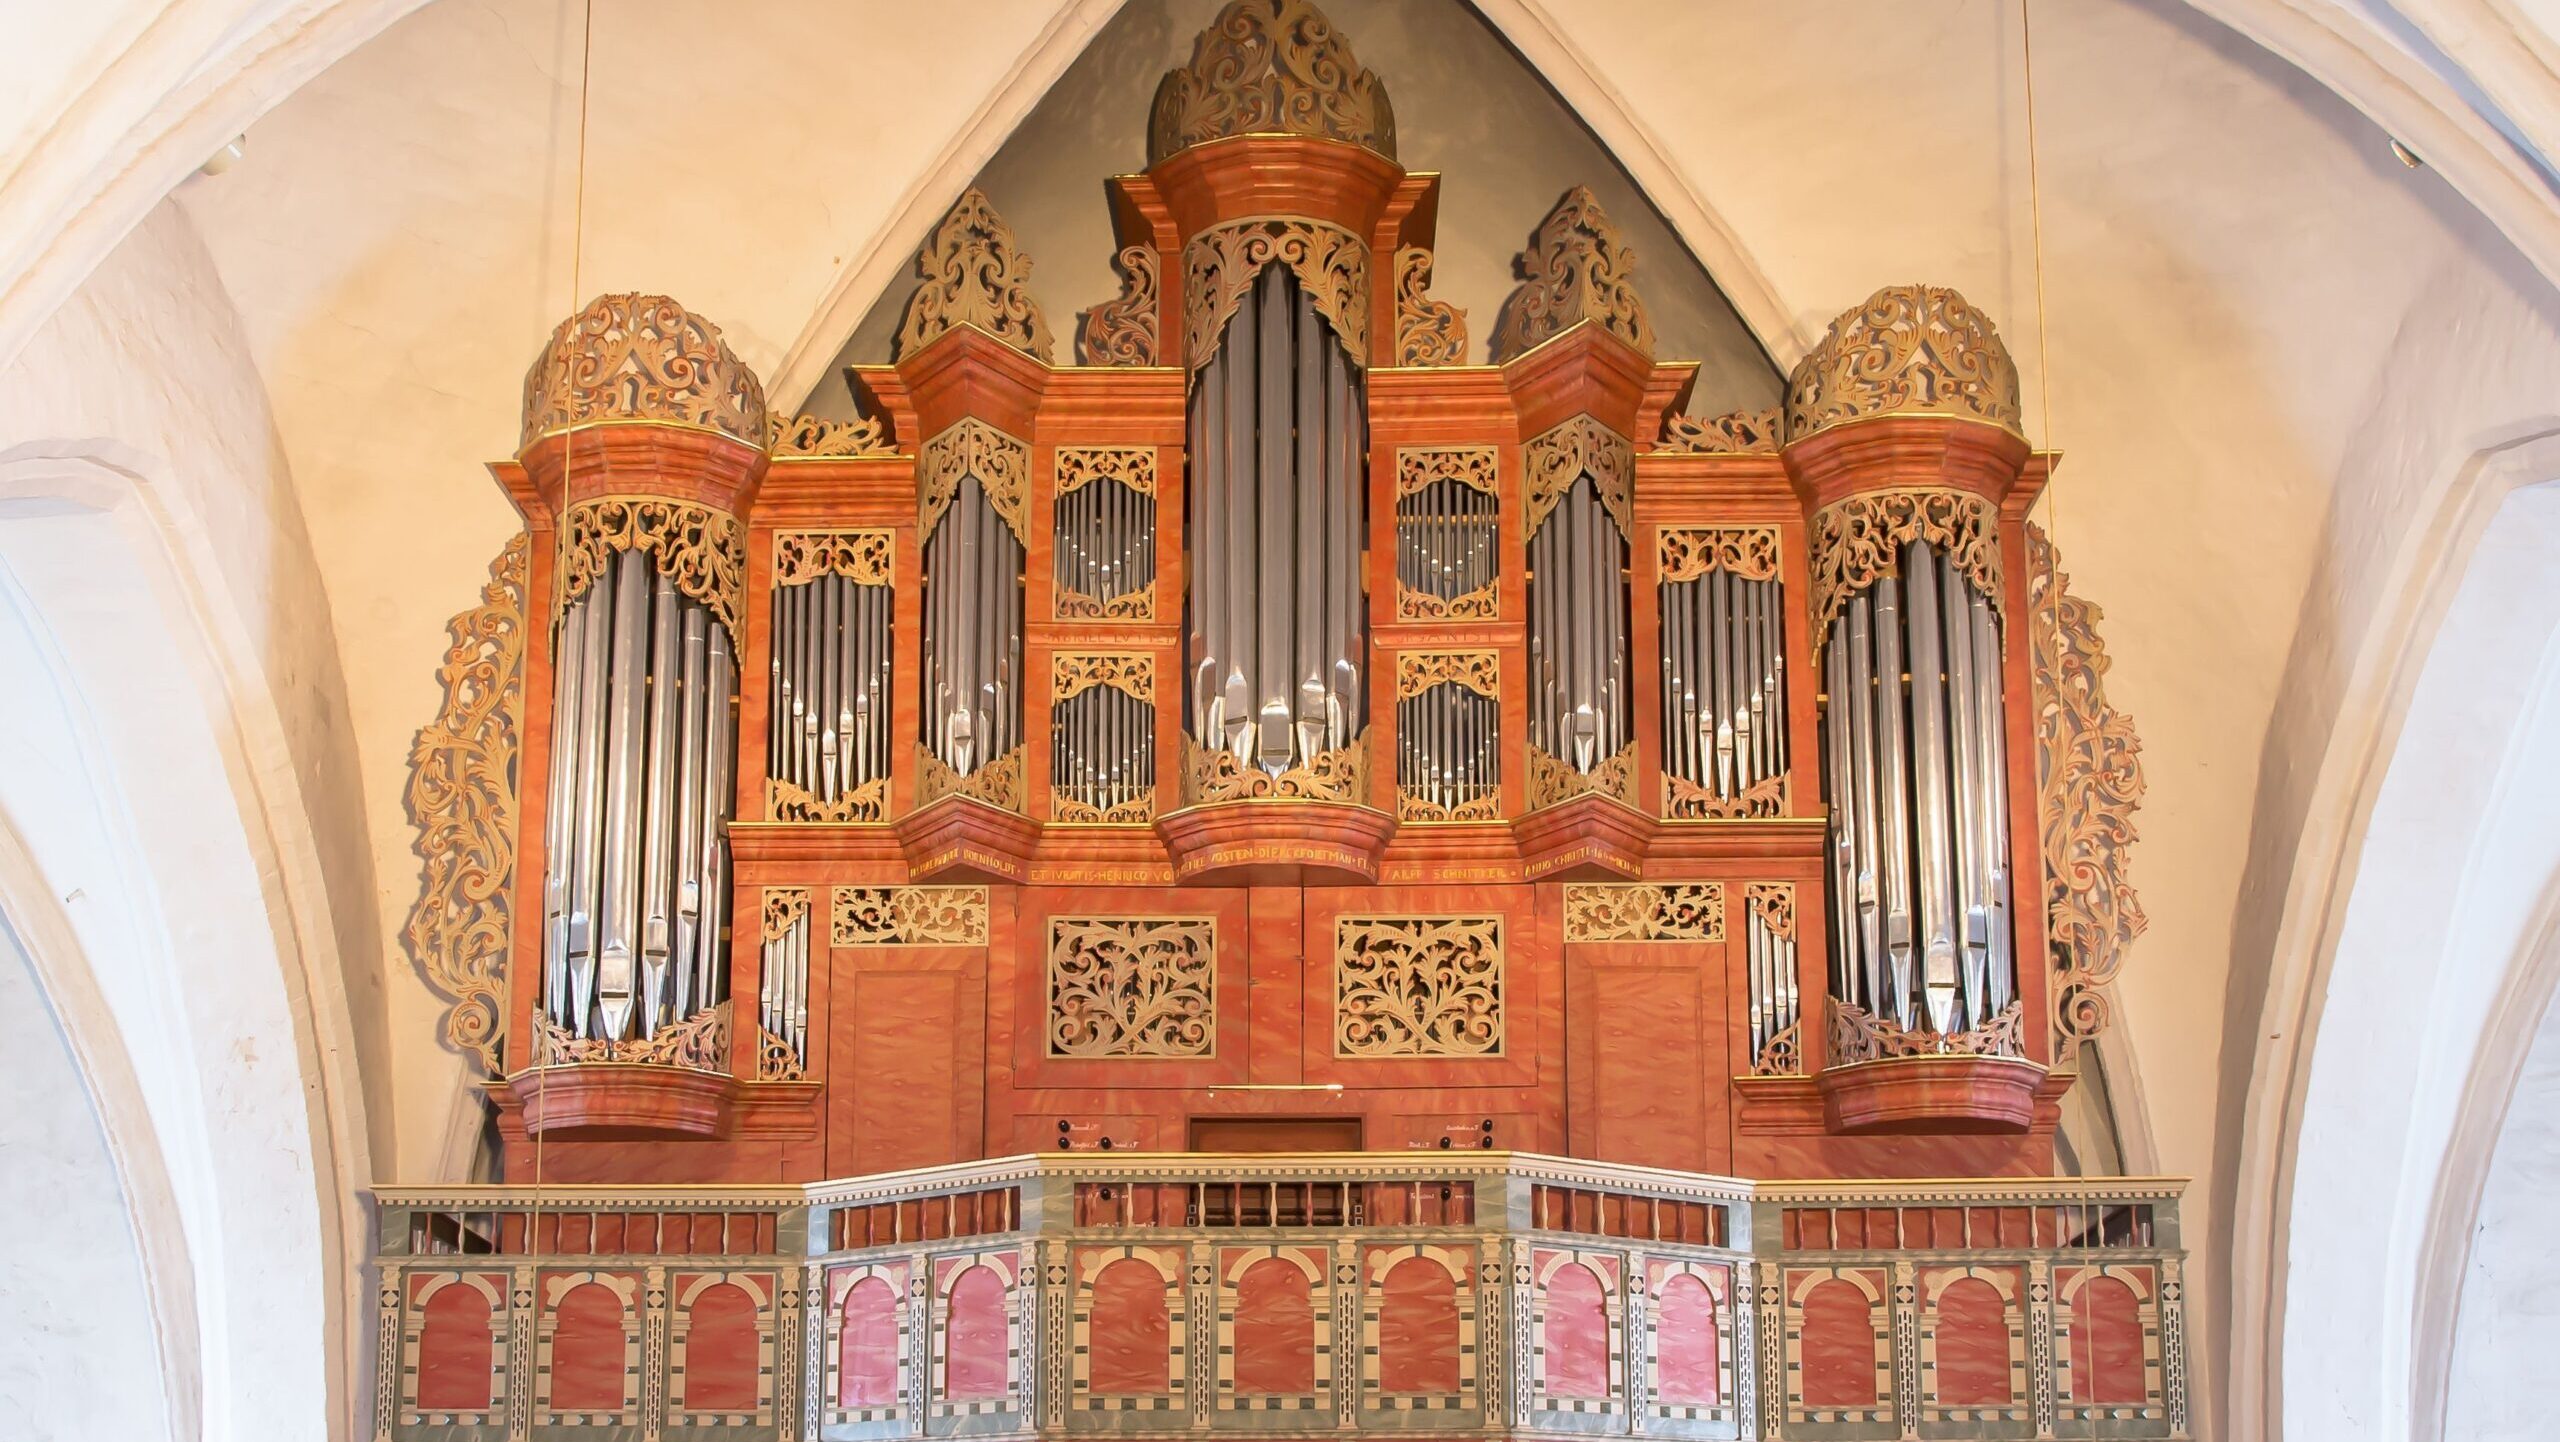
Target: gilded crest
{"points": [[1270, 67], [1220, 263], [1577, 268], [1734, 433], [1910, 350], [1122, 331], [633, 357], [974, 275], [1428, 332]]}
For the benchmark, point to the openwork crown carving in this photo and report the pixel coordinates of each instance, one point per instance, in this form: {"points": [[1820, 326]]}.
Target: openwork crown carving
{"points": [[974, 274], [970, 448], [1270, 67], [1565, 453], [633, 357], [813, 438], [1219, 266], [1859, 540], [1731, 434], [1071, 673], [1577, 268], [1419, 671], [702, 550], [1911, 349]]}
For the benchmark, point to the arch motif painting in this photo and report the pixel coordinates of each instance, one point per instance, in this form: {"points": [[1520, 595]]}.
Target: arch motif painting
{"points": [[452, 1353], [867, 1342], [1973, 1345], [2108, 1350], [588, 1347], [1129, 1320], [1574, 1356], [720, 1355], [1275, 1328], [1688, 1336], [1838, 1350], [1418, 1332], [975, 1354]]}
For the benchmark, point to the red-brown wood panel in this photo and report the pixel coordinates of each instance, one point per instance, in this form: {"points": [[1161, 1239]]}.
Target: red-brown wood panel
{"points": [[908, 1056]]}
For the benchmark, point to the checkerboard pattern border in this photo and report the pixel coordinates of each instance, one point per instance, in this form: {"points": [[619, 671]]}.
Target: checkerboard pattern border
{"points": [[1717, 1278], [551, 1287], [1169, 1263]]}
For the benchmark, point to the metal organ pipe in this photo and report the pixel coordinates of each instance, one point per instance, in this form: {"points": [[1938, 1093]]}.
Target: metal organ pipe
{"points": [[1578, 635], [973, 633], [1723, 724]]}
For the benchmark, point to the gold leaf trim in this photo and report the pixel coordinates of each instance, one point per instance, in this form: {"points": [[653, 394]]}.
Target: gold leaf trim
{"points": [[998, 783], [1478, 468], [700, 1042], [1417, 986], [1566, 453], [1686, 800], [1480, 604], [1215, 775], [865, 558], [1552, 782], [966, 448], [702, 550], [1685, 553], [1137, 605], [1220, 263], [907, 916], [1080, 466], [1578, 267], [1122, 331], [1783, 1055], [1734, 433], [775, 1060], [1138, 987], [1419, 671], [634, 357], [1644, 911], [787, 802], [1859, 1035], [1411, 806], [1773, 905], [1270, 67], [974, 274], [812, 438], [784, 908], [1910, 349], [1859, 540], [1428, 332], [1072, 673], [1136, 811]]}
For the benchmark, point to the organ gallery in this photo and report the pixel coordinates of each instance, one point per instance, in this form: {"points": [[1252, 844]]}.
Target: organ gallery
{"points": [[1255, 865]]}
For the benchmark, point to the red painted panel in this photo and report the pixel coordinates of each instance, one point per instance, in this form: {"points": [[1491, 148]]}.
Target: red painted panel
{"points": [[2106, 1343], [1131, 1336], [1418, 1328], [1646, 1090], [867, 1347], [973, 1337], [720, 1346], [1686, 1371], [1973, 1345], [1275, 1330], [1575, 1334], [1839, 1347], [586, 1350], [905, 1026], [454, 1349]]}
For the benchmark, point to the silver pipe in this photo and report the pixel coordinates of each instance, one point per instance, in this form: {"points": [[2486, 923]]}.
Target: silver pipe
{"points": [[1893, 766], [1870, 698], [1931, 809], [692, 762], [1748, 713], [721, 722], [619, 902], [657, 886], [1964, 800], [557, 826], [1205, 585], [1237, 566], [1720, 673], [1840, 791], [1995, 803]]}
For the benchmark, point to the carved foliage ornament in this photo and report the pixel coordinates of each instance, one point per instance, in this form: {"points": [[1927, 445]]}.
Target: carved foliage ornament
{"points": [[1419, 671], [998, 783], [2089, 774], [1577, 268], [1131, 466], [462, 799], [1407, 986], [1072, 673], [972, 448], [1552, 782], [1686, 800], [1911, 349], [803, 438], [1581, 447], [700, 1042], [787, 802], [1686, 553], [784, 908], [634, 357], [1214, 774], [1859, 540], [1860, 1035], [702, 550], [1220, 263], [1133, 987], [1428, 332], [862, 557], [1734, 433], [1122, 331], [1270, 67], [1643, 911], [1418, 468], [908, 916], [974, 275]]}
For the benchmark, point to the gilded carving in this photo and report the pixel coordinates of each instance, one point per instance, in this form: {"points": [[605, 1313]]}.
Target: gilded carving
{"points": [[1552, 781], [1411, 806], [2089, 774], [1137, 605], [1480, 604], [1577, 268], [806, 438], [1220, 263], [1418, 468], [1417, 986], [1419, 671], [998, 783], [974, 274], [462, 798], [971, 448], [1566, 453], [1133, 987], [1783, 1055], [908, 916], [1686, 800], [1773, 905], [1859, 540], [862, 557], [1215, 775], [1644, 911], [1080, 466], [1860, 1035], [1910, 350], [700, 1042], [702, 550], [1138, 810], [1685, 553], [1270, 67], [784, 908], [1122, 331], [1074, 672], [634, 357], [787, 802], [775, 1060], [1428, 332], [1731, 434]]}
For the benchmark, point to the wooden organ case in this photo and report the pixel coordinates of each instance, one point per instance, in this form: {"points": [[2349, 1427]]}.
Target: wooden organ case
{"points": [[1276, 717]]}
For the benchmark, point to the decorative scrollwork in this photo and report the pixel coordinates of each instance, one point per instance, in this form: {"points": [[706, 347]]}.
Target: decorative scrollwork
{"points": [[1565, 453], [974, 274], [1858, 541], [1773, 905], [1073, 672], [1783, 1055], [1136, 811], [1080, 466], [1481, 604], [1417, 986], [1684, 553], [1270, 67], [998, 783], [908, 916], [1133, 987], [1910, 349], [775, 1060], [808, 438], [862, 557], [1220, 263], [462, 798], [784, 908], [1552, 781], [1137, 605], [1412, 806], [702, 550], [2089, 774], [1122, 331], [1577, 268], [1644, 911], [971, 448], [1731, 434], [787, 802], [1686, 800], [700, 1042], [1215, 775], [1860, 1035], [1419, 671], [1478, 468], [634, 357], [1428, 332]]}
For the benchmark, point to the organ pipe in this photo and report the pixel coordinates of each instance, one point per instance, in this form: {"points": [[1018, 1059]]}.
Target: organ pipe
{"points": [[1723, 698], [972, 633], [828, 734], [1578, 627]]}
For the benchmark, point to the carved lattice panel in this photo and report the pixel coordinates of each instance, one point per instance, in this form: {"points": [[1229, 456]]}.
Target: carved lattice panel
{"points": [[1132, 987], [1417, 986]]}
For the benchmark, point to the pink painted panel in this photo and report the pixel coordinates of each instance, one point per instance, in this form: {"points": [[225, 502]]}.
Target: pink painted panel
{"points": [[2106, 1343], [1686, 1371], [1418, 1328], [586, 1350], [1275, 1330], [454, 1347], [867, 1348], [720, 1350], [1132, 1335], [1839, 1347], [1973, 1345], [1575, 1334], [973, 1337]]}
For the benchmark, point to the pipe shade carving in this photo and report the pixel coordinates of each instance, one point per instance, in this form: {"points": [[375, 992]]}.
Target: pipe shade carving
{"points": [[1122, 331], [1222, 265], [1267, 67], [1577, 268], [975, 275], [633, 357], [1909, 350]]}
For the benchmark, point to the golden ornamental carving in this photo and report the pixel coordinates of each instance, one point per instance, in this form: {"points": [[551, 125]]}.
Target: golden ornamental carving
{"points": [[1478, 468], [634, 357], [998, 783], [1858, 541], [1685, 553], [1577, 268], [862, 557], [1122, 331], [702, 550], [1686, 800], [974, 274], [1270, 67], [1644, 911], [1215, 775], [462, 798], [2089, 776], [1419, 671], [1412, 806], [700, 1042], [1480, 604], [971, 448], [775, 1059], [1566, 453], [1552, 782], [1080, 466], [1133, 987], [1137, 605], [787, 802], [1138, 810], [1860, 1035], [1428, 332], [1734, 433], [784, 908], [1220, 263], [1783, 1055], [907, 916], [1910, 350], [1072, 673], [808, 438], [1417, 986], [1773, 905]]}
